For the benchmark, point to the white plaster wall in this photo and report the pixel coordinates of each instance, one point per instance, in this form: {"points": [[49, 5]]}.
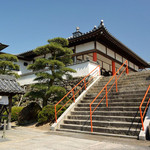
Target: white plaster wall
{"points": [[110, 53], [92, 66], [101, 47], [82, 70], [4, 100], [23, 69], [28, 79], [118, 66], [131, 64], [84, 47], [124, 60], [106, 62], [106, 66], [102, 58], [136, 68], [118, 57]]}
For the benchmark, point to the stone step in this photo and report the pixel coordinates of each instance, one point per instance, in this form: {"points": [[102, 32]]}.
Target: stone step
{"points": [[108, 113], [108, 108], [121, 104], [132, 74], [125, 79], [117, 95], [105, 118], [122, 85], [104, 123], [113, 130], [114, 100], [98, 133], [132, 91], [121, 117]]}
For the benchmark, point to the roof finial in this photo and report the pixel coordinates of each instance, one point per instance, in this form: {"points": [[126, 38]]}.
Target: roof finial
{"points": [[102, 23], [77, 29], [77, 33]]}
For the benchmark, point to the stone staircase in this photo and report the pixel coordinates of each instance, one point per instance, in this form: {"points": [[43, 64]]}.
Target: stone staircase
{"points": [[121, 117]]}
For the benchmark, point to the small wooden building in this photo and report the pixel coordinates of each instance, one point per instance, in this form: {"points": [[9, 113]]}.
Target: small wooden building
{"points": [[8, 88]]}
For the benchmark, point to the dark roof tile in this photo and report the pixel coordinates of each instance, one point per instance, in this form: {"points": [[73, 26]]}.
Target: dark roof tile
{"points": [[9, 85]]}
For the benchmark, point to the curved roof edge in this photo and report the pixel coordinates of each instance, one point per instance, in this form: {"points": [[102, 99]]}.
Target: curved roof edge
{"points": [[2, 46], [102, 30]]}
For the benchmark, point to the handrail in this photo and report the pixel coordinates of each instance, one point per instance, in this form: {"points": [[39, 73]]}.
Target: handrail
{"points": [[74, 93], [107, 91], [142, 116]]}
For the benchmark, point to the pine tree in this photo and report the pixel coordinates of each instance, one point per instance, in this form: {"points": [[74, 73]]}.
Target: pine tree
{"points": [[7, 64], [59, 58]]}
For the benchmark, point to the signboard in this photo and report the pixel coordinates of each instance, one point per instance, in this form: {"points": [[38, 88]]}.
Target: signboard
{"points": [[4, 100]]}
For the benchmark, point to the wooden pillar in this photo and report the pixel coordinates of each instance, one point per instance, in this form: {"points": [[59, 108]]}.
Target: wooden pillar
{"points": [[9, 115], [94, 56], [82, 57], [74, 59], [113, 68]]}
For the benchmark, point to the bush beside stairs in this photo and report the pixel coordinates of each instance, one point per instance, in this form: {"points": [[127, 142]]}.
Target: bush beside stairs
{"points": [[121, 117]]}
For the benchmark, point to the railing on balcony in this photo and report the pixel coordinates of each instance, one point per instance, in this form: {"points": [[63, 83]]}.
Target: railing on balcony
{"points": [[73, 93], [140, 108], [106, 90]]}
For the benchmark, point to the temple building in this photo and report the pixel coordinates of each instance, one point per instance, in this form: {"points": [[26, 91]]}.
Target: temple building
{"points": [[100, 46], [96, 47]]}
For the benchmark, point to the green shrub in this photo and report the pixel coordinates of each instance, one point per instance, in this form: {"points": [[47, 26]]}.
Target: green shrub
{"points": [[14, 113], [47, 114]]}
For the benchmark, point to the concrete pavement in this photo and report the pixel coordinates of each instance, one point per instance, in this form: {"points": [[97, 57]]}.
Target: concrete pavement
{"points": [[24, 138]]}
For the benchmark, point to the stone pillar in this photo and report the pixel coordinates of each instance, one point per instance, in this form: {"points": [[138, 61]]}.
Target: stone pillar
{"points": [[94, 56], [113, 68], [9, 115]]}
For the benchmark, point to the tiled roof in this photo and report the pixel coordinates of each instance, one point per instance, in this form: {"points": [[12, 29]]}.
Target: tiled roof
{"points": [[9, 85], [105, 33]]}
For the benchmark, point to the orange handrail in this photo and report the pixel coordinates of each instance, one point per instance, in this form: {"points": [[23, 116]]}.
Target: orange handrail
{"points": [[72, 91], [142, 116], [107, 91]]}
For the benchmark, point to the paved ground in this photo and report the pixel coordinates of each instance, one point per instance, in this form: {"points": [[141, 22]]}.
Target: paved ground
{"points": [[23, 138]]}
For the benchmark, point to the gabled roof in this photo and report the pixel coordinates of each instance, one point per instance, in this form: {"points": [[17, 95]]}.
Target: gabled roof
{"points": [[2, 46], [102, 35], [9, 86]]}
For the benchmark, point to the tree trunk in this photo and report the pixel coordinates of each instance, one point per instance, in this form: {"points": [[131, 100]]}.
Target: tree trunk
{"points": [[44, 102]]}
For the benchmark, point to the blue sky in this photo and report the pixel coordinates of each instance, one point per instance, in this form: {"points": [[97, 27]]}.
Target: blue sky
{"points": [[27, 24]]}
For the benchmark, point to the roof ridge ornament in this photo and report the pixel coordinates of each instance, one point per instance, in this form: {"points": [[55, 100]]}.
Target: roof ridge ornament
{"points": [[102, 23], [77, 33], [77, 29]]}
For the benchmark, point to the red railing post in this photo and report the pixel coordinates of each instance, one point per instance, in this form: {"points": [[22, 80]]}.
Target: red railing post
{"points": [[85, 84], [73, 95], [116, 83], [127, 69], [141, 118], [106, 97], [55, 114], [91, 118]]}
